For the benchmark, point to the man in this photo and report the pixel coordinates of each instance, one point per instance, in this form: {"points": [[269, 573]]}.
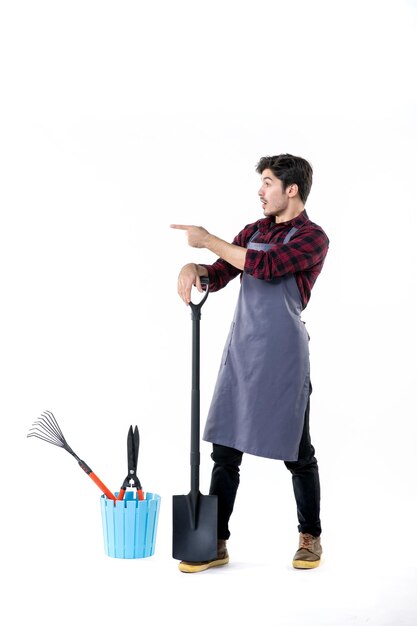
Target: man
{"points": [[261, 402]]}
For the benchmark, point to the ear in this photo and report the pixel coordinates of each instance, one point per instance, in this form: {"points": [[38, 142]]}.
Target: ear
{"points": [[292, 190]]}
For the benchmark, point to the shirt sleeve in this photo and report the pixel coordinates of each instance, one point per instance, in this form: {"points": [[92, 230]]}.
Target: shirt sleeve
{"points": [[221, 272], [307, 248]]}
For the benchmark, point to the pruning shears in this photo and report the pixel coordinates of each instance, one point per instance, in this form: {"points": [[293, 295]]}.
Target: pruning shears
{"points": [[131, 479]]}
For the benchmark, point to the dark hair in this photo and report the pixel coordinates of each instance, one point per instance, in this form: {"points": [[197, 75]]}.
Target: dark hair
{"points": [[290, 170]]}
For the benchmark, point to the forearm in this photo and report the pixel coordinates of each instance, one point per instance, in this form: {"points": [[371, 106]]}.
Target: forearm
{"points": [[235, 255], [231, 254]]}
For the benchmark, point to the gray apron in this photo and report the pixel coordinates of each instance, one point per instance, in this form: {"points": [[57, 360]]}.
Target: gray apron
{"points": [[262, 388]]}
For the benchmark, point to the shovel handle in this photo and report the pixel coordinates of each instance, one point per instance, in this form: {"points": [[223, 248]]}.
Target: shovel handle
{"points": [[195, 308]]}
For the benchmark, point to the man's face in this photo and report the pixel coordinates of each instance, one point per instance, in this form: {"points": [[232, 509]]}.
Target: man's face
{"points": [[273, 197]]}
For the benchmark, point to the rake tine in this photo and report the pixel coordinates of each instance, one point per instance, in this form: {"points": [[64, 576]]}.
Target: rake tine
{"points": [[46, 428], [35, 432], [55, 424], [43, 430], [51, 424]]}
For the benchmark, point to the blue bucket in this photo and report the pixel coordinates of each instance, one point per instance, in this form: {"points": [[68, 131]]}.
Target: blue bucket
{"points": [[130, 525]]}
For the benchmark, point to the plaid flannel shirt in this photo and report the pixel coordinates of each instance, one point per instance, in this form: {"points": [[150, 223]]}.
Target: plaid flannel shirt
{"points": [[303, 256]]}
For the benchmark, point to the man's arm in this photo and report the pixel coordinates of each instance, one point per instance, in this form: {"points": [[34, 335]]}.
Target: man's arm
{"points": [[306, 250], [199, 237]]}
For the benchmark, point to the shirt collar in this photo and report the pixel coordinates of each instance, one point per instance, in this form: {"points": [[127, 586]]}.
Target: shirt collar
{"points": [[266, 223]]}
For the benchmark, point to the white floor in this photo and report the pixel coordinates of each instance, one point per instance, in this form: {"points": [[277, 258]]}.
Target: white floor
{"points": [[118, 119], [59, 574], [62, 588]]}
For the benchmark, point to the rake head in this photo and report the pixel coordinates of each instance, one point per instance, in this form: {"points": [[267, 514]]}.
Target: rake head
{"points": [[47, 429]]}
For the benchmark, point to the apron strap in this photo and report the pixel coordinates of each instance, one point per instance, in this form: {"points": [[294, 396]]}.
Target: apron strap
{"points": [[290, 234], [255, 234]]}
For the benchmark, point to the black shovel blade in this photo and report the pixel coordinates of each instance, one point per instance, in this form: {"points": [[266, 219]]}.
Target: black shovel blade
{"points": [[194, 536]]}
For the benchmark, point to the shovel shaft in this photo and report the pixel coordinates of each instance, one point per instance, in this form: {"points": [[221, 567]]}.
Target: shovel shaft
{"points": [[195, 409], [195, 395], [195, 515]]}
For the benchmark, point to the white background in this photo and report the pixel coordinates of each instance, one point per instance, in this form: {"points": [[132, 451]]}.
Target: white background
{"points": [[117, 119]]}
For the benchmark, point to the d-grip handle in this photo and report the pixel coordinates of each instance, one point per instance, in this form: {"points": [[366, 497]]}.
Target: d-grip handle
{"points": [[196, 307]]}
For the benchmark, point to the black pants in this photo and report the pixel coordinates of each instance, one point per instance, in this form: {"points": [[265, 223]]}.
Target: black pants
{"points": [[305, 478]]}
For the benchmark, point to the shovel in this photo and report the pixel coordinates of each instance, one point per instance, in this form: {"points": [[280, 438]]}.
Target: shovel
{"points": [[194, 515]]}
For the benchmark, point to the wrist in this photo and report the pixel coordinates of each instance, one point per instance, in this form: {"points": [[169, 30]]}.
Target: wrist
{"points": [[195, 268], [211, 242]]}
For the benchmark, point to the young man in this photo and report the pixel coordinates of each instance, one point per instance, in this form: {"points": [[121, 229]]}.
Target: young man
{"points": [[261, 402]]}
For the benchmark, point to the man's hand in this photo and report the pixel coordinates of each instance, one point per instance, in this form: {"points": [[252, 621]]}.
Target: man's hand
{"points": [[189, 276], [197, 235]]}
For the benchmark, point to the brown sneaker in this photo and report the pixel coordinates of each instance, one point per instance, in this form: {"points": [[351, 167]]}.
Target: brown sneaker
{"points": [[222, 559], [309, 552]]}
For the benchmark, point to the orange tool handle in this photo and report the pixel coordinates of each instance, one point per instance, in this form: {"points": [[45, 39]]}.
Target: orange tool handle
{"points": [[102, 486], [122, 494]]}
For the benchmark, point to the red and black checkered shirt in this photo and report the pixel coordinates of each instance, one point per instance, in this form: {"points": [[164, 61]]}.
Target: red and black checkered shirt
{"points": [[303, 256]]}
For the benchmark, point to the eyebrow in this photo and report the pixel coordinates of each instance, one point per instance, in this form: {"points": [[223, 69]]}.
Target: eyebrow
{"points": [[267, 178]]}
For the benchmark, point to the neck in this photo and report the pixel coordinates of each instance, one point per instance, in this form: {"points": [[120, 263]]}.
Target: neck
{"points": [[289, 214]]}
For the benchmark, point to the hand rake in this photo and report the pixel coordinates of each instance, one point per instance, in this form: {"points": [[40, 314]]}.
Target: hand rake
{"points": [[47, 429]]}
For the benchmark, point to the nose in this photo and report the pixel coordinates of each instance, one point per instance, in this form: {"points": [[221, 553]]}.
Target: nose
{"points": [[260, 192]]}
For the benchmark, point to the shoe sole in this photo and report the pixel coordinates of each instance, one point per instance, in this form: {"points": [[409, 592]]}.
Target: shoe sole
{"points": [[305, 564], [192, 568]]}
